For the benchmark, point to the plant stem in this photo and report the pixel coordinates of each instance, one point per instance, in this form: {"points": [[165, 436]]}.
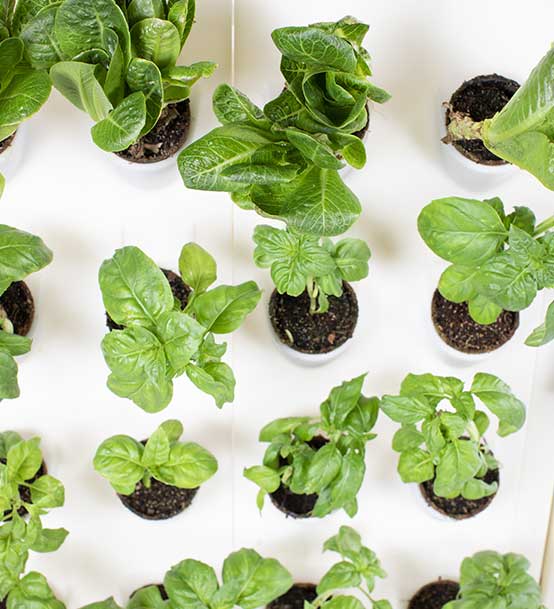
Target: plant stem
{"points": [[312, 290], [462, 127], [544, 226], [147, 480]]}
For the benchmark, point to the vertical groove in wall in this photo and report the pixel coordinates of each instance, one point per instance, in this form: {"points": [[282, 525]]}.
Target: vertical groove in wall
{"points": [[547, 575]]}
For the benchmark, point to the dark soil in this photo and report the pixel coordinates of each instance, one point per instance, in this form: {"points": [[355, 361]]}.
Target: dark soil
{"points": [[180, 289], [166, 138], [4, 145], [458, 507], [291, 504], [481, 98], [457, 329], [318, 333], [295, 597], [24, 492], [17, 301], [435, 595], [159, 502], [3, 603]]}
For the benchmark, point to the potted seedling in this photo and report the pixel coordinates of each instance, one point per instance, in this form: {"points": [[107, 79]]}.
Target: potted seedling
{"points": [[284, 160], [163, 333], [22, 254], [313, 309], [27, 492], [248, 581], [358, 569], [444, 451], [118, 63], [492, 121], [24, 84], [157, 478], [316, 465], [487, 579], [499, 263]]}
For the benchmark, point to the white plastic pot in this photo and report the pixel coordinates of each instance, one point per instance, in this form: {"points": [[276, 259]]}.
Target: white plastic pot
{"points": [[11, 158], [145, 175], [423, 505]]}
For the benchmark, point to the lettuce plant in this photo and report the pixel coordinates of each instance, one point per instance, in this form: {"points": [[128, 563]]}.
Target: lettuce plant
{"points": [[160, 341], [117, 61], [447, 446], [500, 580], [335, 471], [521, 133], [283, 161], [22, 254], [300, 262], [358, 569], [498, 261], [24, 490], [248, 581], [124, 461]]}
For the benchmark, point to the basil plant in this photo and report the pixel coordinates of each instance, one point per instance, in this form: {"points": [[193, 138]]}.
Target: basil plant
{"points": [[498, 261], [117, 61], [490, 579], [248, 581], [24, 86], [22, 254], [447, 446], [26, 494], [284, 161], [161, 341], [521, 133], [332, 468], [300, 263], [125, 462], [358, 569]]}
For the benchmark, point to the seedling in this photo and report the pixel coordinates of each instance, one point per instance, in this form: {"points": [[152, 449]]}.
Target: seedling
{"points": [[489, 578], [22, 254], [447, 446], [498, 261], [160, 341], [248, 581], [25, 495], [521, 132], [322, 455], [302, 263], [124, 461]]}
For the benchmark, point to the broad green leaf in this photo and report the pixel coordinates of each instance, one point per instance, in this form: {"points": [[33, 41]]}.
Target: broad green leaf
{"points": [[477, 489], [281, 426], [406, 438], [457, 283], [463, 231], [197, 267], [314, 150], [134, 289], [147, 598], [323, 468], [7, 440], [224, 309], [266, 478], [188, 466], [188, 75], [114, 83], [38, 35], [416, 465], [156, 40], [9, 387], [483, 310], [544, 333], [232, 106], [49, 540], [119, 460], [340, 576], [432, 433], [500, 400], [33, 592], [352, 257], [156, 450], [342, 400], [215, 379], [181, 336], [47, 492], [406, 410], [14, 344], [433, 388], [191, 584], [144, 9], [181, 14], [21, 254], [24, 460], [258, 173], [344, 602], [459, 463], [123, 126], [344, 488], [77, 82], [145, 76]]}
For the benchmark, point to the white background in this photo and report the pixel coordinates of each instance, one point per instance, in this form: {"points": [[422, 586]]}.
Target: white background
{"points": [[82, 204]]}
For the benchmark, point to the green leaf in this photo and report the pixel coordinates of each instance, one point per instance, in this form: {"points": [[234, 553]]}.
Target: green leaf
{"points": [[432, 432], [341, 575], [24, 460], [47, 492], [39, 38], [147, 598], [188, 466], [459, 463], [216, 379], [9, 387], [463, 231], [21, 254], [416, 465], [457, 283], [406, 438], [544, 333], [323, 468], [265, 477], [119, 460], [156, 450], [406, 410], [33, 592], [145, 76], [123, 125], [134, 289], [157, 40], [342, 400], [182, 336], [197, 267], [314, 150], [191, 584], [259, 580], [483, 310], [477, 489], [344, 487], [344, 602], [7, 440], [281, 426], [77, 82], [313, 47], [500, 400], [189, 75], [139, 368], [232, 106], [224, 309], [144, 9], [49, 540], [181, 14], [352, 257]]}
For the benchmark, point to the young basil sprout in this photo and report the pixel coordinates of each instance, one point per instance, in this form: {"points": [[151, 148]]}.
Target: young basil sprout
{"points": [[498, 261], [447, 445]]}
